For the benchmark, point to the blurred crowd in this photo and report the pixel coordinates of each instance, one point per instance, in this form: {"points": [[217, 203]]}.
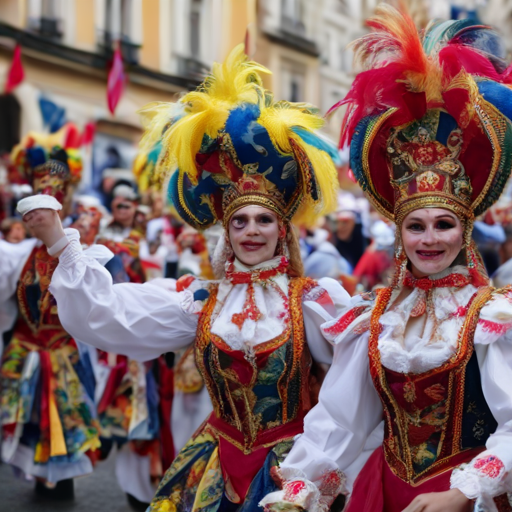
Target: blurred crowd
{"points": [[354, 244]]}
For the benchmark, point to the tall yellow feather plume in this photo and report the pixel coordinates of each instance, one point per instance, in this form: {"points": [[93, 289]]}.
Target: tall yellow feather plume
{"points": [[182, 126], [203, 111]]}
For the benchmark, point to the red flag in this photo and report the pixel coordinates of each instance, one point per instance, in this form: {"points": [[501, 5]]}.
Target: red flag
{"points": [[116, 80], [16, 72], [88, 134]]}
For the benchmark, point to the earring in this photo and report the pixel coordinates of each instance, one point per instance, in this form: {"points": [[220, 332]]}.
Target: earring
{"points": [[229, 253], [400, 263]]}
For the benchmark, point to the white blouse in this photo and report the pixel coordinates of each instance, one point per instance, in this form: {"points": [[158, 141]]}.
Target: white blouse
{"points": [[12, 260], [345, 427], [143, 321]]}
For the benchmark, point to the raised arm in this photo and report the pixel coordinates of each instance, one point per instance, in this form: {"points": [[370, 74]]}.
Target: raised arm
{"points": [[140, 321]]}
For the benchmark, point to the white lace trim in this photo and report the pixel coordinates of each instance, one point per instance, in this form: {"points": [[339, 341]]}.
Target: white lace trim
{"points": [[309, 495], [408, 345], [475, 484]]}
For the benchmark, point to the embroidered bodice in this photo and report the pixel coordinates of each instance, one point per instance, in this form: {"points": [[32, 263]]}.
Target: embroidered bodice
{"points": [[259, 394], [39, 323], [433, 416], [431, 359]]}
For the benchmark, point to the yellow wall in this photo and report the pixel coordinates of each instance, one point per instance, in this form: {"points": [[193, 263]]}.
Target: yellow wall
{"points": [[237, 16], [85, 36], [150, 51], [13, 12]]}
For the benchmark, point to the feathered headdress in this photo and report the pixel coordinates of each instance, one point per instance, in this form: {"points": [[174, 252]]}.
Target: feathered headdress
{"points": [[428, 120], [45, 155], [146, 170], [230, 144]]}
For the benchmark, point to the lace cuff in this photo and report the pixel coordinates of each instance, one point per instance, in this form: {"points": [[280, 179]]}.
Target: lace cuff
{"points": [[299, 493], [483, 477], [72, 251]]}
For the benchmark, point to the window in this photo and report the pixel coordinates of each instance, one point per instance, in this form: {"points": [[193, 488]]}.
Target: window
{"points": [[44, 17], [342, 6], [195, 29], [293, 81], [293, 16], [326, 49], [126, 20], [119, 21], [49, 9], [346, 57]]}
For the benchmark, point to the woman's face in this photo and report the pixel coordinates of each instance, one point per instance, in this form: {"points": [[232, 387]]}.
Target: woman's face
{"points": [[16, 234], [432, 239], [254, 232]]}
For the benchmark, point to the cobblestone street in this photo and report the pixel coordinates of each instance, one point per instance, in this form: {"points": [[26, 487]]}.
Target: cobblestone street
{"points": [[98, 492]]}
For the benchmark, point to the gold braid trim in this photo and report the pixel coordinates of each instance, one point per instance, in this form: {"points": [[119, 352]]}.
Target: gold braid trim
{"points": [[396, 448]]}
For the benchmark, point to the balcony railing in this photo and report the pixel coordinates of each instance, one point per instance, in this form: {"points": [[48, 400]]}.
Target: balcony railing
{"points": [[190, 67]]}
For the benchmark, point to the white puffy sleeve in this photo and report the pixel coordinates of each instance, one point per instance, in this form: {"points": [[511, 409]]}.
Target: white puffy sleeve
{"points": [[141, 321], [490, 474], [12, 261], [320, 305], [341, 431]]}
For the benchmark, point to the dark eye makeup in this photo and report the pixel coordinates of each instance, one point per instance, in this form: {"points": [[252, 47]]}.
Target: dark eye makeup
{"points": [[440, 224], [239, 221], [415, 226], [445, 224]]}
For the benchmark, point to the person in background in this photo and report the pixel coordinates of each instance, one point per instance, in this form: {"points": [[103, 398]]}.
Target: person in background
{"points": [[348, 237], [49, 428], [124, 207], [13, 230], [375, 267]]}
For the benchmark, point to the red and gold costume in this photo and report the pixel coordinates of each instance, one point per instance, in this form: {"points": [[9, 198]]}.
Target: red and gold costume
{"points": [[48, 420], [429, 399], [255, 329]]}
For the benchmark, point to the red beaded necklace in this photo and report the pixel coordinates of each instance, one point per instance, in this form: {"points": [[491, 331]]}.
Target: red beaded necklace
{"points": [[425, 283], [250, 310], [260, 274]]}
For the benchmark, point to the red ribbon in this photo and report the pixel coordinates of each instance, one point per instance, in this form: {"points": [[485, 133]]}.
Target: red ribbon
{"points": [[425, 283], [253, 276]]}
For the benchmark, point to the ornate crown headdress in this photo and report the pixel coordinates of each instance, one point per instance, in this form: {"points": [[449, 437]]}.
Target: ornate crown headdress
{"points": [[38, 155], [230, 144], [428, 120]]}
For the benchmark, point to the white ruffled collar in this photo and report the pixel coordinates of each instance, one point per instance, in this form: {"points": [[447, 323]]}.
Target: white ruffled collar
{"points": [[412, 342], [266, 265]]}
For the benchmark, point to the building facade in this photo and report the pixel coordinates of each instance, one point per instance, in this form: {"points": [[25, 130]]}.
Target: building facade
{"points": [[67, 49]]}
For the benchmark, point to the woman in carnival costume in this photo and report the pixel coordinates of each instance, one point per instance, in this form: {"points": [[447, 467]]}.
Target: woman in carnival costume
{"points": [[430, 133], [254, 164], [48, 426]]}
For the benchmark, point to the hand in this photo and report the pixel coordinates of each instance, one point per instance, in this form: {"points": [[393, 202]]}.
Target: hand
{"points": [[46, 225], [282, 506], [448, 501]]}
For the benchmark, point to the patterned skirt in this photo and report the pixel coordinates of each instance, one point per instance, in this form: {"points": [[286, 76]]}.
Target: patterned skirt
{"points": [[48, 419], [197, 482]]}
